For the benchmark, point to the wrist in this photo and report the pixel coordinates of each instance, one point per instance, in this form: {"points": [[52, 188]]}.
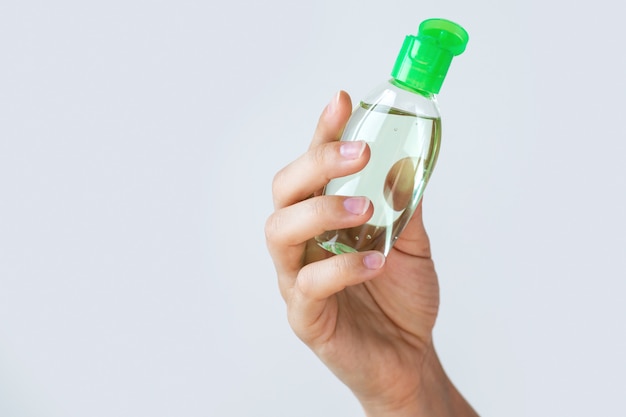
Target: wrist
{"points": [[434, 395]]}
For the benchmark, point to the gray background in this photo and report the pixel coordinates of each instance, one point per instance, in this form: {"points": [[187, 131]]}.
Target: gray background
{"points": [[138, 140]]}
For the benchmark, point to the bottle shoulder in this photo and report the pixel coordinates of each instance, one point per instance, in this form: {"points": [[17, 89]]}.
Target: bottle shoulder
{"points": [[400, 100]]}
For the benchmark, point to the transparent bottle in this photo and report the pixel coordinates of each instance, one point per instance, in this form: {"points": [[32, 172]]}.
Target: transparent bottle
{"points": [[400, 121]]}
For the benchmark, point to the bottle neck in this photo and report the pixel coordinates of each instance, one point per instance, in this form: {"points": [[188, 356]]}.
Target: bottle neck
{"points": [[407, 87]]}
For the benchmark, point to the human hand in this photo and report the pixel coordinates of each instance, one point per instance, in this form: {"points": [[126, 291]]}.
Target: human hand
{"points": [[369, 319]]}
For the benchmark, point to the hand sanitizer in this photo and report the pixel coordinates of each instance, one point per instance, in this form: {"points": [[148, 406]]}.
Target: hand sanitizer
{"points": [[400, 122]]}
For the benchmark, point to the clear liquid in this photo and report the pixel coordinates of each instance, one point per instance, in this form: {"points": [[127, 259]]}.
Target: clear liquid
{"points": [[404, 149]]}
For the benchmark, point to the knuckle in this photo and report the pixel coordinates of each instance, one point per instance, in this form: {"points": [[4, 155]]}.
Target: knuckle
{"points": [[320, 155], [305, 285], [272, 226], [277, 182]]}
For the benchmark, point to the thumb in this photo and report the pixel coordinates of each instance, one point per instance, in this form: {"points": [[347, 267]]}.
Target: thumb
{"points": [[414, 240]]}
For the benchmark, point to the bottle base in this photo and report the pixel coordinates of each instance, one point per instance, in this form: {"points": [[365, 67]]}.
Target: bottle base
{"points": [[337, 248], [356, 239]]}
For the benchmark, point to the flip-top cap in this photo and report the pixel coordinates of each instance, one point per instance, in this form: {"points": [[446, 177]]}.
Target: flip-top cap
{"points": [[423, 61]]}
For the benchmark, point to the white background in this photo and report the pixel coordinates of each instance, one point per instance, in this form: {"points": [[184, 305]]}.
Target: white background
{"points": [[138, 140]]}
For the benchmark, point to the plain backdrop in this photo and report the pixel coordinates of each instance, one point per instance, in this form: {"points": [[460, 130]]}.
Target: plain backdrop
{"points": [[138, 141]]}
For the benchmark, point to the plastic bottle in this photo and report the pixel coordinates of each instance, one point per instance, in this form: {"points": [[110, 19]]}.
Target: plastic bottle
{"points": [[400, 121]]}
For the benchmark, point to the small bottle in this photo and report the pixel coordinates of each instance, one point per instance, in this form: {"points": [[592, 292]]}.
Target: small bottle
{"points": [[401, 124]]}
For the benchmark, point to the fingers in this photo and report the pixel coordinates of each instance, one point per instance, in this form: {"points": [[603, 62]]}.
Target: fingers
{"points": [[333, 119], [298, 223], [414, 240], [299, 218], [318, 281], [312, 171], [325, 159], [292, 226]]}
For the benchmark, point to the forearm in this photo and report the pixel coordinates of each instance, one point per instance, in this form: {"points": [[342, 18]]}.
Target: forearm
{"points": [[437, 397]]}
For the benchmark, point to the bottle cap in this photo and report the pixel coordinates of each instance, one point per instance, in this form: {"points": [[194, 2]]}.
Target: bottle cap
{"points": [[423, 61]]}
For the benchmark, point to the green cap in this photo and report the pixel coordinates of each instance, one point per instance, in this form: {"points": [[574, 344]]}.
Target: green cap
{"points": [[424, 59]]}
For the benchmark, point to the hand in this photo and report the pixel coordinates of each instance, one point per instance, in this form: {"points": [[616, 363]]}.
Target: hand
{"points": [[369, 319]]}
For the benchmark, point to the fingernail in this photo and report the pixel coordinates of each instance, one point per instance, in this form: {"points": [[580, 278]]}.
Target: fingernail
{"points": [[374, 260], [356, 205], [352, 150], [334, 102]]}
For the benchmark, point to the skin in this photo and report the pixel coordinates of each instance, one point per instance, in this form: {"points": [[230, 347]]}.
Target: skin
{"points": [[369, 319]]}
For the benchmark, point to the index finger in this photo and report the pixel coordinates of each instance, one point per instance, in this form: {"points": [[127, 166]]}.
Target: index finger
{"points": [[332, 120], [307, 175]]}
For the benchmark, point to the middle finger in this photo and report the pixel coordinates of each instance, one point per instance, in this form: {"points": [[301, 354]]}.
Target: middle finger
{"points": [[312, 171]]}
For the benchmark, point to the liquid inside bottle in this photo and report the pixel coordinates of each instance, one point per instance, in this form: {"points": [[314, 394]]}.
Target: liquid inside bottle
{"points": [[404, 148]]}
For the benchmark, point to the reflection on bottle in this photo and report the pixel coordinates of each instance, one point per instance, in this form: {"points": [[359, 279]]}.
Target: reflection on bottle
{"points": [[399, 183]]}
